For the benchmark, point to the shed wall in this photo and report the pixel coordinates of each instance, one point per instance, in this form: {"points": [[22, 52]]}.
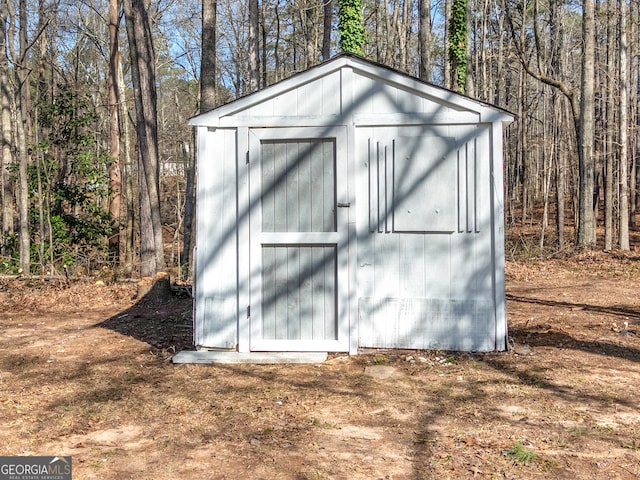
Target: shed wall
{"points": [[428, 218], [425, 262], [216, 285]]}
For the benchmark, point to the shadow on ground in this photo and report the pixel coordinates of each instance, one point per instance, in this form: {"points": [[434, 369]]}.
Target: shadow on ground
{"points": [[609, 342], [164, 322]]}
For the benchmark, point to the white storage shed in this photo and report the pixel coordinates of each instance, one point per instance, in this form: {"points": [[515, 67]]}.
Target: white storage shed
{"points": [[350, 206]]}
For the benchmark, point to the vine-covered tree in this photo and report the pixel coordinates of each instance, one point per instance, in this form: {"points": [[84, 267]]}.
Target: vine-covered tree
{"points": [[458, 44], [351, 26]]}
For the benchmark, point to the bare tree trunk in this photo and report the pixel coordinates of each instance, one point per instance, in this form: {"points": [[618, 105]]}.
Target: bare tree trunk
{"points": [[6, 94], [127, 245], [39, 162], [263, 29], [608, 100], [207, 102], [391, 30], [403, 37], [500, 95], [326, 29], [254, 71], [308, 22], [276, 45], [483, 61], [115, 175], [22, 99], [560, 173], [586, 160], [624, 121], [522, 134], [548, 153], [23, 188], [143, 76], [634, 75], [378, 39], [558, 110], [424, 38], [208, 62], [44, 194]]}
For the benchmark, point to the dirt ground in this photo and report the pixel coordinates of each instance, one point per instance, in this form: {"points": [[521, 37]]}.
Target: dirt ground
{"points": [[86, 371]]}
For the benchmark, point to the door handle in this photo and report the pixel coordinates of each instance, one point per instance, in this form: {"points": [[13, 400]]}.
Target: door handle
{"points": [[344, 204]]}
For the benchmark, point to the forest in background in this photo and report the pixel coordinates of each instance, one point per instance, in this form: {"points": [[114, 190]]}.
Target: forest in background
{"points": [[98, 158]]}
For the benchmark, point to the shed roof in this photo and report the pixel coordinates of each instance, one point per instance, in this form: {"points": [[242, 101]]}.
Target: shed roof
{"points": [[360, 66]]}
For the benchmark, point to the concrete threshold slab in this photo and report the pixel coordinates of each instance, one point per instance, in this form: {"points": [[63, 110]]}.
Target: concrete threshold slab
{"points": [[206, 356]]}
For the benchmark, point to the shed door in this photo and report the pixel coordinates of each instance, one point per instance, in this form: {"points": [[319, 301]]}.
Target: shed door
{"points": [[298, 240]]}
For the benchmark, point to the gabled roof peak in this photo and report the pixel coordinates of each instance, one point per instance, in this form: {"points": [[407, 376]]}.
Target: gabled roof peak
{"points": [[361, 66]]}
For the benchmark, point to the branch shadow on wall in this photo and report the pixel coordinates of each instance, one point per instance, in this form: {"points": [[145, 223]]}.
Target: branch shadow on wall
{"points": [[224, 306]]}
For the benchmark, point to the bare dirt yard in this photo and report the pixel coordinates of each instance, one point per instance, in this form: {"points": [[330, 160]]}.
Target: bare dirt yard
{"points": [[86, 371]]}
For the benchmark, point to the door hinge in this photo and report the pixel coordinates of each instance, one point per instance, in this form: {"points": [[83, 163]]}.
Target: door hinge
{"points": [[248, 311], [247, 157]]}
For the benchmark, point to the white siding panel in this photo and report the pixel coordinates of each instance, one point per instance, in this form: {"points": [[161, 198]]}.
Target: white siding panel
{"points": [[412, 266], [419, 323], [419, 289], [406, 265], [424, 177], [437, 260], [375, 96], [331, 86], [385, 98], [284, 104], [464, 281], [386, 267], [406, 102], [269, 107], [216, 280], [431, 105], [319, 97], [363, 93], [309, 98]]}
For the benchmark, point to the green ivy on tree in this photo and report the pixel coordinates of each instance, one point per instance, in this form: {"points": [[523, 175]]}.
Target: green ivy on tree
{"points": [[351, 26], [458, 43]]}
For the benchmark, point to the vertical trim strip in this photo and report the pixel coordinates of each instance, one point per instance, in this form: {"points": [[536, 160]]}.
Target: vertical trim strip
{"points": [[496, 197], [380, 178], [372, 205], [476, 184], [462, 181], [389, 163], [244, 259]]}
